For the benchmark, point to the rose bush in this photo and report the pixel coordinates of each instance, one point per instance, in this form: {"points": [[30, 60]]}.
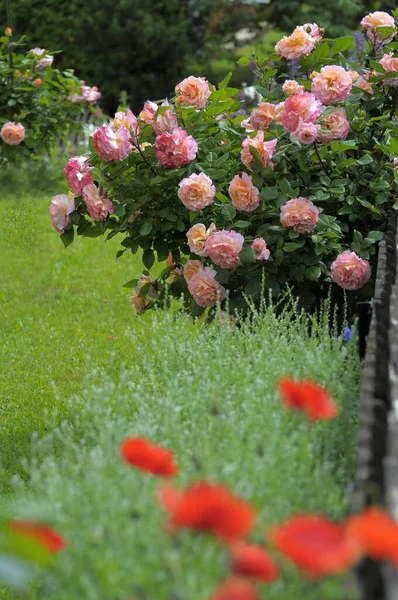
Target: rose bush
{"points": [[298, 193], [38, 112]]}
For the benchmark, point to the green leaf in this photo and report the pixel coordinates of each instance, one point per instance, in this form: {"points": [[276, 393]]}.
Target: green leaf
{"points": [[343, 146], [228, 212], [374, 236], [292, 246], [224, 83], [253, 288], [148, 258], [223, 276], [366, 159], [197, 310], [247, 255], [270, 193], [221, 197], [341, 44], [313, 273], [242, 224], [244, 60], [67, 237], [130, 284]]}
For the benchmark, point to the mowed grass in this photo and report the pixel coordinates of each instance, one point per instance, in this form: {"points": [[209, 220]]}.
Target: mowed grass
{"points": [[62, 312]]}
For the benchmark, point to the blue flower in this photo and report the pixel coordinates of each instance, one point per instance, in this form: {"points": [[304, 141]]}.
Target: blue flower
{"points": [[347, 335]]}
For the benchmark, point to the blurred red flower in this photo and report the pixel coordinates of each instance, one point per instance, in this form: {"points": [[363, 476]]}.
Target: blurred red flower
{"points": [[235, 589], [249, 560], [377, 533], [41, 534], [142, 454], [317, 546], [208, 507], [308, 397]]}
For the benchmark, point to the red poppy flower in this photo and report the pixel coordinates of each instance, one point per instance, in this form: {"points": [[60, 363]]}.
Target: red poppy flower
{"points": [[235, 589], [308, 397], [208, 507], [143, 455], [249, 560], [317, 546], [377, 533], [46, 537]]}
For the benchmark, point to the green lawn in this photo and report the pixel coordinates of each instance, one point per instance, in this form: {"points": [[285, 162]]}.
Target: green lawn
{"points": [[83, 371]]}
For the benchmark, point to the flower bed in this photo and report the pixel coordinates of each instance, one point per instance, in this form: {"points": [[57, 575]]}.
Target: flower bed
{"points": [[296, 193]]}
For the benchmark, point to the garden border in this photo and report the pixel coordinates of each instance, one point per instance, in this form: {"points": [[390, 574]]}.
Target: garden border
{"points": [[376, 476]]}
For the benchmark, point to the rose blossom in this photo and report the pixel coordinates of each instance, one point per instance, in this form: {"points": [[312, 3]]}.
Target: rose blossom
{"points": [[193, 91], [302, 107], [77, 172], [38, 81], [46, 60], [354, 75], [332, 84], [395, 164], [265, 149], [197, 237], [166, 121], [128, 120], [314, 31], [306, 133], [373, 21], [349, 271], [196, 192], [335, 126], [140, 302], [223, 248], [279, 108], [191, 268], [364, 84], [260, 249], [12, 133], [175, 149], [261, 117], [291, 87], [299, 214], [90, 94], [112, 145], [295, 46], [244, 195], [204, 288], [148, 112], [98, 206], [60, 208], [390, 65]]}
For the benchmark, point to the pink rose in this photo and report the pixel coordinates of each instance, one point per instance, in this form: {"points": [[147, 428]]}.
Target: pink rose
{"points": [[44, 62], [390, 65], [266, 150], [373, 21], [77, 172], [61, 207], [334, 126], [223, 248], [295, 46], [260, 249], [332, 84], [193, 91], [98, 206], [12, 133], [364, 84], [128, 120], [299, 214], [279, 108], [164, 121], [395, 164], [148, 112], [175, 149], [196, 192], [306, 133], [349, 271], [244, 195], [90, 94], [291, 87], [204, 288], [191, 268], [303, 107], [140, 302], [261, 117], [112, 145], [197, 237]]}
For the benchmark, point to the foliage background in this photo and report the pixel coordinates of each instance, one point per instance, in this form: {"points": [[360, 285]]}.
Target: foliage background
{"points": [[142, 47]]}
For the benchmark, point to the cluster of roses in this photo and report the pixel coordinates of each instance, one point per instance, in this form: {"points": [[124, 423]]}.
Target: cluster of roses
{"points": [[310, 117], [317, 546], [13, 133]]}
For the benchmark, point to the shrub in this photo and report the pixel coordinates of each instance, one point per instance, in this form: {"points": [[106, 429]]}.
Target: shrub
{"points": [[41, 106], [281, 204]]}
